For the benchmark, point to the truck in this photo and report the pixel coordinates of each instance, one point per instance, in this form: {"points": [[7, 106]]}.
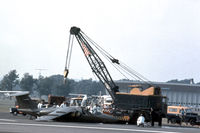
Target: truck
{"points": [[175, 115], [152, 106], [192, 118]]}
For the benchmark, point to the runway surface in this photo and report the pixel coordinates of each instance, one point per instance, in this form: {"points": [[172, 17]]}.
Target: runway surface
{"points": [[21, 124]]}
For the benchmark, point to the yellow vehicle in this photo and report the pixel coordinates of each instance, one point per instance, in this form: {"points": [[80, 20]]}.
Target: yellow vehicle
{"points": [[177, 109], [175, 113]]}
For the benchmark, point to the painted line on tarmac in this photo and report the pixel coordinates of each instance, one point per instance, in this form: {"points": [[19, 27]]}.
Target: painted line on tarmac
{"points": [[83, 127], [8, 120]]}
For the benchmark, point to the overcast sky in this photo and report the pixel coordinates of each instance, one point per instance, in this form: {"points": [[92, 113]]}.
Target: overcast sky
{"points": [[157, 38]]}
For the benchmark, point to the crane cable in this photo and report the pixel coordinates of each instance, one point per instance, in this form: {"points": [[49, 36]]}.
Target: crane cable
{"points": [[103, 52], [68, 57], [112, 60], [97, 46]]}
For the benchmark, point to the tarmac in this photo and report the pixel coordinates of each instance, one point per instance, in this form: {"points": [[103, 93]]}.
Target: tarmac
{"points": [[21, 124]]}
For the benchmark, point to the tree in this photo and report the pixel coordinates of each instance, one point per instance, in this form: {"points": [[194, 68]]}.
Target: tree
{"points": [[27, 82], [9, 81], [59, 88], [45, 86], [64, 89], [89, 87]]}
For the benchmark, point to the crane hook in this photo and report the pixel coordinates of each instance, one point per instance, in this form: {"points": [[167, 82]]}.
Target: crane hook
{"points": [[66, 72]]}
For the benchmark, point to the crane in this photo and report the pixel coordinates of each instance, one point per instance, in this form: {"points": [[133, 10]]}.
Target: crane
{"points": [[95, 62], [125, 103]]}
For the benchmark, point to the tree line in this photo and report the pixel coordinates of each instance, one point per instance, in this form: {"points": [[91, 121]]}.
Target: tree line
{"points": [[54, 85], [49, 85]]}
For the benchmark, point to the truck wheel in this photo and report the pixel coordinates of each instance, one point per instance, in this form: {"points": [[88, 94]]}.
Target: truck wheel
{"points": [[192, 122], [23, 114], [173, 120], [133, 118]]}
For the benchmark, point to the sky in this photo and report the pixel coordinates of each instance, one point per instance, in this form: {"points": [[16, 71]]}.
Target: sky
{"points": [[157, 38]]}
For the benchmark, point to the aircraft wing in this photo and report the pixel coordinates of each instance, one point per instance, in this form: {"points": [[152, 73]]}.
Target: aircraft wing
{"points": [[59, 112], [77, 114], [15, 93]]}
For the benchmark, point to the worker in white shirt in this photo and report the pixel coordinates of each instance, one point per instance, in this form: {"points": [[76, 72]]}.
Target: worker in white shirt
{"points": [[63, 105], [39, 105], [140, 120]]}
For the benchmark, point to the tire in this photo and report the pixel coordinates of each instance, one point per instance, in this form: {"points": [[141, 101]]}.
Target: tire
{"points": [[23, 114], [173, 120], [192, 122], [133, 119]]}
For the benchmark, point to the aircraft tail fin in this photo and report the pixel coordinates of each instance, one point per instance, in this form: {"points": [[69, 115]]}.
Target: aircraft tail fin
{"points": [[24, 101]]}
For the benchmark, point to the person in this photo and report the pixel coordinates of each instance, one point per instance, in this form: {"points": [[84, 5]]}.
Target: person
{"points": [[140, 120], [182, 111], [39, 105], [153, 116], [94, 109], [63, 104], [98, 108]]}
